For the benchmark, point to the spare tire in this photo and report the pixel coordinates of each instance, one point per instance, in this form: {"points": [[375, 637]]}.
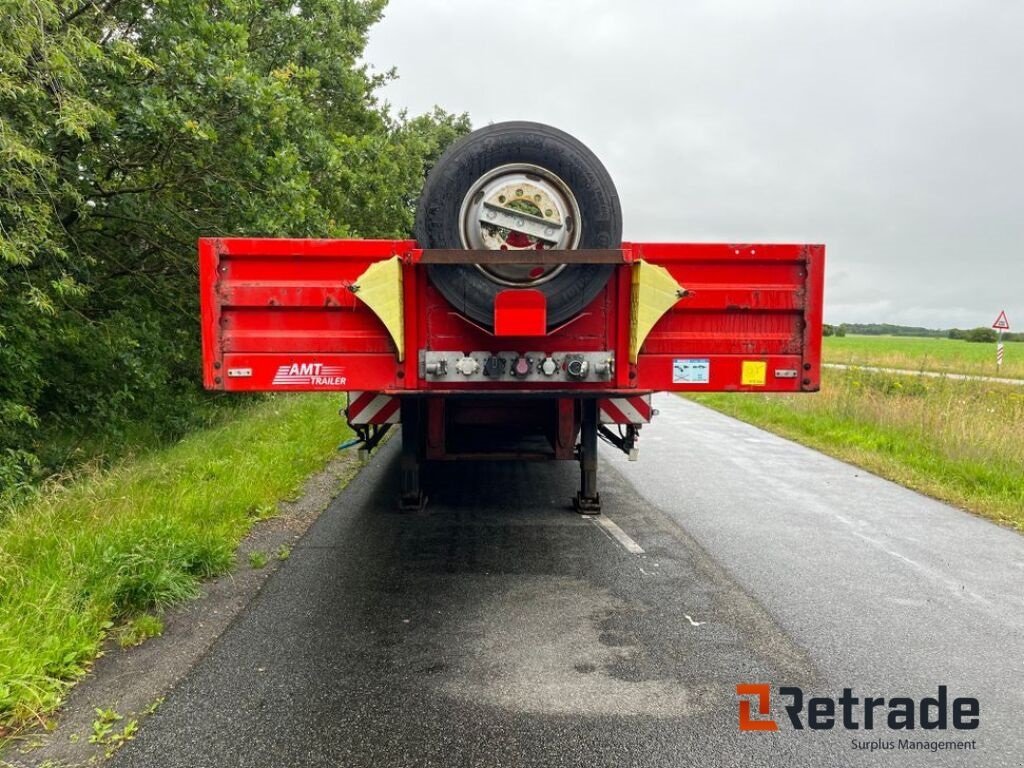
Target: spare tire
{"points": [[550, 192]]}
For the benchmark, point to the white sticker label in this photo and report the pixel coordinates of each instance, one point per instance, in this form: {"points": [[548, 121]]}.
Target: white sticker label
{"points": [[691, 370]]}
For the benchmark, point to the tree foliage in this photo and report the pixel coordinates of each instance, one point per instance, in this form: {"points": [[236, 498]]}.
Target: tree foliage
{"points": [[127, 130], [981, 335]]}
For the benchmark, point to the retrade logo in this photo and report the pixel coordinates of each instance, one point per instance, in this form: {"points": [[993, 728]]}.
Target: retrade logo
{"points": [[850, 712], [310, 375], [762, 693]]}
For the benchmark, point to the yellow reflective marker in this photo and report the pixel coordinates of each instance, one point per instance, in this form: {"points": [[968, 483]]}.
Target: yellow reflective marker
{"points": [[380, 288], [654, 293], [754, 373]]}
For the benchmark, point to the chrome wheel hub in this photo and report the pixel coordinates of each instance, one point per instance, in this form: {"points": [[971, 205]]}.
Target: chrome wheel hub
{"points": [[520, 207]]}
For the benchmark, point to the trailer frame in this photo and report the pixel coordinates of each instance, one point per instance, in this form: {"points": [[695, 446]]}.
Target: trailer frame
{"points": [[284, 314]]}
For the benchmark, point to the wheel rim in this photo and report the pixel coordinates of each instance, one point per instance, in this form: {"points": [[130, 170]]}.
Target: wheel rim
{"points": [[519, 207]]}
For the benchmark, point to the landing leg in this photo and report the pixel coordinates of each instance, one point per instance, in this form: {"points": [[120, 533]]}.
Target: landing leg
{"points": [[588, 500], [411, 498]]}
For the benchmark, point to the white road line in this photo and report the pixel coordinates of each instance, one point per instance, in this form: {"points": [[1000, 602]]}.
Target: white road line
{"points": [[618, 534]]}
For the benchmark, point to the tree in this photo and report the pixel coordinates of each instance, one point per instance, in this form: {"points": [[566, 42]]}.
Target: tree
{"points": [[127, 130], [980, 335]]}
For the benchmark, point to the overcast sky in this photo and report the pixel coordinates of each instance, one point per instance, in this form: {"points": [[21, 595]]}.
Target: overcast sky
{"points": [[893, 131]]}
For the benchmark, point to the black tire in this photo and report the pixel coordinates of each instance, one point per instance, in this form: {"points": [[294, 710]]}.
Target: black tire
{"points": [[438, 226]]}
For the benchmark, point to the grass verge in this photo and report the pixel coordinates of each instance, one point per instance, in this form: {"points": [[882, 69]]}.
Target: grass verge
{"points": [[959, 441], [925, 354], [77, 561]]}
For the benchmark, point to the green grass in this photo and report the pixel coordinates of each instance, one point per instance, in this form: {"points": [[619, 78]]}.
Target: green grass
{"points": [[258, 559], [138, 629], [922, 354], [107, 730], [959, 441], [79, 561]]}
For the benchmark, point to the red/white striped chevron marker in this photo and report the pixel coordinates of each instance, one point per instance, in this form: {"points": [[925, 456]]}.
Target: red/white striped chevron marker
{"points": [[625, 410], [372, 408]]}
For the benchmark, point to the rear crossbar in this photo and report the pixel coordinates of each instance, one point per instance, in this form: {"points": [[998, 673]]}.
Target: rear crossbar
{"points": [[542, 257]]}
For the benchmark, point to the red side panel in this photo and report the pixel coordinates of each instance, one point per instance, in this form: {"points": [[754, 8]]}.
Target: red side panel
{"points": [[278, 314], [750, 319]]}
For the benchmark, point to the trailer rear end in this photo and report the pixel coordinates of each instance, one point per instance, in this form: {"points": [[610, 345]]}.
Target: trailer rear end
{"points": [[362, 316]]}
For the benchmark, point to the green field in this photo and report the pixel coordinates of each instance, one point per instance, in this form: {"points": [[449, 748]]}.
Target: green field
{"points": [[961, 441], [91, 557], [921, 354]]}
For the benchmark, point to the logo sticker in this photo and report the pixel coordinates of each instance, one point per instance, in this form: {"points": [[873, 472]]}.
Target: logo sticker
{"points": [[310, 375], [901, 716], [762, 694], [691, 370]]}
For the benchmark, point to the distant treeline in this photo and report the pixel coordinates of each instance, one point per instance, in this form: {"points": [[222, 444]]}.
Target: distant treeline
{"points": [[885, 329], [982, 334]]}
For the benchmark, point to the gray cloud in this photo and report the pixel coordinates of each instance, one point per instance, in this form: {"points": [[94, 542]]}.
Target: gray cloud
{"points": [[891, 131]]}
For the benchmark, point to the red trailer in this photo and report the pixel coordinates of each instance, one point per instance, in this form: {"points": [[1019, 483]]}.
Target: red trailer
{"points": [[539, 378]]}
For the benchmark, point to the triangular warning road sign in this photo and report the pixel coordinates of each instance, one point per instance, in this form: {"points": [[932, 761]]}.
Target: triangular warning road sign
{"points": [[1001, 323]]}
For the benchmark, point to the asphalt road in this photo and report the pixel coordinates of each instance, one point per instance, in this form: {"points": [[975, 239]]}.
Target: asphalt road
{"points": [[503, 630]]}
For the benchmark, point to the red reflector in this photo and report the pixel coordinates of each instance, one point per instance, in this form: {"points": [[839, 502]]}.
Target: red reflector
{"points": [[521, 312]]}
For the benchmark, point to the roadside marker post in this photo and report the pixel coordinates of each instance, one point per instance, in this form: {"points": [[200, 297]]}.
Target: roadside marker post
{"points": [[1001, 324]]}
